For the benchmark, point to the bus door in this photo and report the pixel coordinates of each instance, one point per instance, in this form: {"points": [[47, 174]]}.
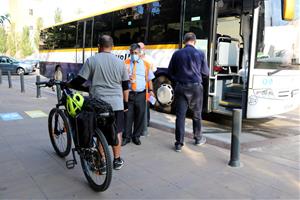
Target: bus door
{"points": [[84, 40], [196, 18], [225, 85]]}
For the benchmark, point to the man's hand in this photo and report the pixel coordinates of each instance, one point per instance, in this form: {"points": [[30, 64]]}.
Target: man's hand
{"points": [[152, 93]]}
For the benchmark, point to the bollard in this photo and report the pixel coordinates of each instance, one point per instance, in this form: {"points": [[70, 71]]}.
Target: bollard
{"points": [[58, 92], [235, 138], [9, 79], [38, 89], [145, 131], [0, 76], [22, 82]]}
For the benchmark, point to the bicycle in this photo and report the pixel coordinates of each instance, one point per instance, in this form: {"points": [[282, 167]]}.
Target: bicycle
{"points": [[95, 160]]}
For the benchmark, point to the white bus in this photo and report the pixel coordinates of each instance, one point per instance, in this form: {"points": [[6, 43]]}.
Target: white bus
{"points": [[252, 48]]}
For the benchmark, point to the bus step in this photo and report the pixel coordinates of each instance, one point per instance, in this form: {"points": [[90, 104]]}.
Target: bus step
{"points": [[230, 104], [233, 95]]}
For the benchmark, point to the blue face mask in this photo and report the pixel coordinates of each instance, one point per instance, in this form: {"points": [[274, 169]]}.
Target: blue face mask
{"points": [[135, 57]]}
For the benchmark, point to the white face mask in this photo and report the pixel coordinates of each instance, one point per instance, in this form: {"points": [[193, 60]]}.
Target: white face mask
{"points": [[134, 57]]}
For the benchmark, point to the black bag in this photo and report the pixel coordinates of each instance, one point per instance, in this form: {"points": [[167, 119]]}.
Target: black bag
{"points": [[85, 127], [105, 118]]}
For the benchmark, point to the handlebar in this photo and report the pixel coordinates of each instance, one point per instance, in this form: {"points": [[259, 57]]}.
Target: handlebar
{"points": [[50, 83]]}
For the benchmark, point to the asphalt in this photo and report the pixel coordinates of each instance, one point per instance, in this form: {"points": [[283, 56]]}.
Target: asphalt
{"points": [[31, 170]]}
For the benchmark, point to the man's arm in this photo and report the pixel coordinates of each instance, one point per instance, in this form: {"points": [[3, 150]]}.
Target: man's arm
{"points": [[76, 84], [204, 67]]}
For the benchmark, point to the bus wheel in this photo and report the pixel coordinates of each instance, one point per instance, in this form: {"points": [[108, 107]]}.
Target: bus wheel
{"points": [[164, 93]]}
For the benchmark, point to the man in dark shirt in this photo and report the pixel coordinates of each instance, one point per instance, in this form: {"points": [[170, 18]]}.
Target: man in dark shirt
{"points": [[188, 67]]}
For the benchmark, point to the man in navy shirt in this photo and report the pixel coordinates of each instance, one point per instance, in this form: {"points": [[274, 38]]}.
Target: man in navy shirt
{"points": [[188, 67]]}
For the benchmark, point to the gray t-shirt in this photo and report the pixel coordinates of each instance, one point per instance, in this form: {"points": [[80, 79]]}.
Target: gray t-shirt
{"points": [[106, 73]]}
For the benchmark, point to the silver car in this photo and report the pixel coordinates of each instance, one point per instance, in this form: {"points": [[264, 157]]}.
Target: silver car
{"points": [[15, 66]]}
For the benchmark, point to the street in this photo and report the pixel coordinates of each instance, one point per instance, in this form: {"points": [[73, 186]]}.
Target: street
{"points": [[30, 169]]}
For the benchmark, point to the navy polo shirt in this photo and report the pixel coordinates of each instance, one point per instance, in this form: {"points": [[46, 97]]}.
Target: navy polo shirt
{"points": [[188, 65]]}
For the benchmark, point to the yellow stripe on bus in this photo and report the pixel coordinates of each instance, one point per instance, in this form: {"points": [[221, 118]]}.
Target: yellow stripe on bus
{"points": [[141, 2], [148, 47]]}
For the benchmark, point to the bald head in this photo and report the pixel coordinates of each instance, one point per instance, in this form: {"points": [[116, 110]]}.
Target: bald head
{"points": [[105, 43]]}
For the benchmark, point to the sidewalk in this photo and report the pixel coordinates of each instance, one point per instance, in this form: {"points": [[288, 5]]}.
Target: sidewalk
{"points": [[31, 170]]}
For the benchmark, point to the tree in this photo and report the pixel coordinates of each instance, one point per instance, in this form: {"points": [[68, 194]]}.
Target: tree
{"points": [[57, 15], [39, 25], [25, 45], [3, 39], [4, 18], [12, 40]]}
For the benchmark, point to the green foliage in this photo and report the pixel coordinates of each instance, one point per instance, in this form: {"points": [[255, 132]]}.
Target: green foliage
{"points": [[12, 41], [39, 25], [57, 15], [25, 44], [3, 41], [4, 18]]}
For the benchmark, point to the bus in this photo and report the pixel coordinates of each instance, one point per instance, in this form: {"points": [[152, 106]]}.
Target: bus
{"points": [[252, 48]]}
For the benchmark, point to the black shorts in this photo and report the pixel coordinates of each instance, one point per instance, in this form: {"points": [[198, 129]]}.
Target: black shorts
{"points": [[119, 115]]}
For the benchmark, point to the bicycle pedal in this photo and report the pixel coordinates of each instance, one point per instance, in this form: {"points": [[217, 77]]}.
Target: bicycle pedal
{"points": [[70, 164]]}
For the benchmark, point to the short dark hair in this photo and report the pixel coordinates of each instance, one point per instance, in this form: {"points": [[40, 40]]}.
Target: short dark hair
{"points": [[189, 37], [105, 41], [135, 46]]}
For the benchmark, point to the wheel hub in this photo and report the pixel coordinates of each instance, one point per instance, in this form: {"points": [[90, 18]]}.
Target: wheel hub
{"points": [[165, 94]]}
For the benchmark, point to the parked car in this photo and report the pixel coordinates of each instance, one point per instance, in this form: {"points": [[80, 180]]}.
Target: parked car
{"points": [[35, 63], [15, 66]]}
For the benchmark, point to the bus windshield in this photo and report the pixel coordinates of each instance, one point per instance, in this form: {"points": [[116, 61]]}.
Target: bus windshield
{"points": [[278, 44]]}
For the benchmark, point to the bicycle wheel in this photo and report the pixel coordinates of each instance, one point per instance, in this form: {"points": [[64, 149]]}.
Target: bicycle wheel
{"points": [[96, 163], [59, 132]]}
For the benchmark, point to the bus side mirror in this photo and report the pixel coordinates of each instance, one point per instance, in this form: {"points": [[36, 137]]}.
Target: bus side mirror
{"points": [[288, 9]]}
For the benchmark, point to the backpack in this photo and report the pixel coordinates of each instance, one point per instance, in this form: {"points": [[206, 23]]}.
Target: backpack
{"points": [[85, 126], [104, 118]]}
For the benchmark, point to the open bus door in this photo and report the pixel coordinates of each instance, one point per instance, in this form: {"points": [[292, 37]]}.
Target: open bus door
{"points": [[229, 56], [84, 40]]}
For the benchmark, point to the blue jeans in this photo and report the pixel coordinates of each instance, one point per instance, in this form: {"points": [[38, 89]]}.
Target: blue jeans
{"points": [[188, 96]]}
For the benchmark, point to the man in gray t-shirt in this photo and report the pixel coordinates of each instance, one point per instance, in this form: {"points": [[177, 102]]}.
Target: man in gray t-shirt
{"points": [[106, 72], [109, 82]]}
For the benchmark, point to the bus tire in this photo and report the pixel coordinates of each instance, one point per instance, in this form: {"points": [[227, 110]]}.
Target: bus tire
{"points": [[165, 83]]}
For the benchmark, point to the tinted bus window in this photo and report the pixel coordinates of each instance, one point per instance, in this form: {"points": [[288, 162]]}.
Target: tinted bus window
{"points": [[102, 26], [80, 35], [197, 15], [164, 22], [129, 25], [67, 35], [88, 33]]}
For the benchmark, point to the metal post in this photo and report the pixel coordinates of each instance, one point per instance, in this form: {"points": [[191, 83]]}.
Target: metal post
{"points": [[0, 76], [235, 138], [22, 82], [145, 131], [38, 89], [9, 79], [58, 92]]}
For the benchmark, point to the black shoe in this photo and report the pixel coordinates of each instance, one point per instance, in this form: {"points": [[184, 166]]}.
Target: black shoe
{"points": [[178, 147], [136, 141], [201, 141], [118, 163], [125, 141]]}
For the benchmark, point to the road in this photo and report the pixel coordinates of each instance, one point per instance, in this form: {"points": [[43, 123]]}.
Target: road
{"points": [[283, 125]]}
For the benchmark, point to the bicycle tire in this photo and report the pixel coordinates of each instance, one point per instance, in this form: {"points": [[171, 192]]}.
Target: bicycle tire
{"points": [[84, 164], [59, 134]]}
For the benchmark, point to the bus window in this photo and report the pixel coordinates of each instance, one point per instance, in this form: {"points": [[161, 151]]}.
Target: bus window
{"points": [[80, 35], [129, 25], [164, 22], [278, 41], [102, 26], [88, 34], [197, 15], [67, 35]]}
